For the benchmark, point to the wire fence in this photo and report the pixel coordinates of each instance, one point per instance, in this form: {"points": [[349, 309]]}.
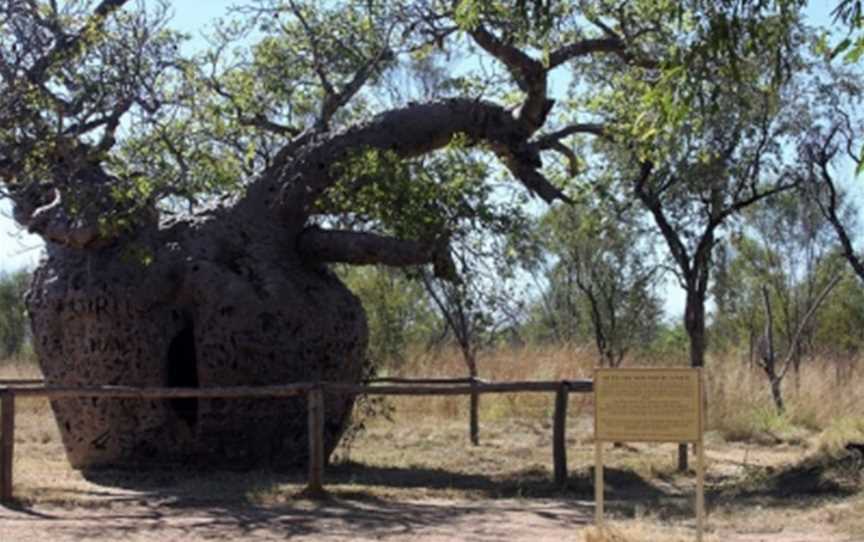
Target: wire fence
{"points": [[315, 395]]}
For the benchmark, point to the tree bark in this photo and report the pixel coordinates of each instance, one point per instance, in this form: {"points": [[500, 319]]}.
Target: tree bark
{"points": [[212, 300], [777, 394], [694, 324]]}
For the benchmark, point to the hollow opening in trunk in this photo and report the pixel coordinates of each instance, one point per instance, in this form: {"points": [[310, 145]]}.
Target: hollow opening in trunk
{"points": [[182, 372]]}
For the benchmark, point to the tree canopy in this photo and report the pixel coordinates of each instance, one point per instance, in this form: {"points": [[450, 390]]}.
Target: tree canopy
{"points": [[99, 102]]}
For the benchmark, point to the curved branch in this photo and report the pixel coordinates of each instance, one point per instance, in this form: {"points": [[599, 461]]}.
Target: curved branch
{"points": [[409, 132], [567, 152], [819, 159], [362, 248], [585, 47]]}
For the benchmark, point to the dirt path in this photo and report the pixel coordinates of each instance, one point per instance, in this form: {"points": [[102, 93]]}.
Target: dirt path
{"points": [[341, 520]]}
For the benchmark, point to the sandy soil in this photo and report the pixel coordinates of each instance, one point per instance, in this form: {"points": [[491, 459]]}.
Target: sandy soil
{"points": [[139, 519]]}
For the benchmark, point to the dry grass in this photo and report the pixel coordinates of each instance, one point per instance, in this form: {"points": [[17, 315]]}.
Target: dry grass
{"points": [[19, 368], [637, 531], [819, 402], [556, 363]]}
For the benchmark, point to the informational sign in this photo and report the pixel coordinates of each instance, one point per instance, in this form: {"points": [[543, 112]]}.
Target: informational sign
{"points": [[647, 405]]}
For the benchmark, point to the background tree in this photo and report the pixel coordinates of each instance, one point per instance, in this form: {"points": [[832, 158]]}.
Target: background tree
{"points": [[724, 154], [482, 305], [598, 268], [13, 314], [838, 334], [829, 144], [399, 314], [776, 367], [786, 265], [788, 248]]}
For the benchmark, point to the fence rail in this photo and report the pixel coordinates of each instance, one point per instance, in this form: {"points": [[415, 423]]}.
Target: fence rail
{"points": [[10, 390]]}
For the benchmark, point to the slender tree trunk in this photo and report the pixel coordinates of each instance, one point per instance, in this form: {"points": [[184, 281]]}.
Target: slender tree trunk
{"points": [[475, 411], [694, 323], [695, 326], [777, 393], [796, 367], [474, 407], [769, 356], [475, 417]]}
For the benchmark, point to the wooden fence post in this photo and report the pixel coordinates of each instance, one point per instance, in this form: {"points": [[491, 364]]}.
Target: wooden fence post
{"points": [[559, 442], [7, 444], [315, 485], [474, 413]]}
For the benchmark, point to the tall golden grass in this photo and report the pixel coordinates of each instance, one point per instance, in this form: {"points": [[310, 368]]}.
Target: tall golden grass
{"points": [[825, 398]]}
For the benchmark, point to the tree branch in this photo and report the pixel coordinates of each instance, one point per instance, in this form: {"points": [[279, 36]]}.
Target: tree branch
{"points": [[652, 202], [819, 158], [361, 248], [529, 74], [409, 132], [66, 46], [585, 47], [335, 100], [50, 221], [546, 140], [806, 320]]}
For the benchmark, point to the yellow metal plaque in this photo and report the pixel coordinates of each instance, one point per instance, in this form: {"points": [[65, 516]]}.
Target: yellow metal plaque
{"points": [[648, 405]]}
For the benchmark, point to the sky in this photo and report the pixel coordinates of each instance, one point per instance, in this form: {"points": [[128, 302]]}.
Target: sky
{"points": [[19, 249]]}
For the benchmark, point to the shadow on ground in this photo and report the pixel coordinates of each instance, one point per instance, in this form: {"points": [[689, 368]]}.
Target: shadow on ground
{"points": [[365, 498], [233, 505]]}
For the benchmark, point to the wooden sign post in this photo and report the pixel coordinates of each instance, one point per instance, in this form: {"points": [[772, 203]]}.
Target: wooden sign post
{"points": [[649, 405]]}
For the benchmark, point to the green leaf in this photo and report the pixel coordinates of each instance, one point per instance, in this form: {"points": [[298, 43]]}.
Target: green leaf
{"points": [[854, 55], [842, 46]]}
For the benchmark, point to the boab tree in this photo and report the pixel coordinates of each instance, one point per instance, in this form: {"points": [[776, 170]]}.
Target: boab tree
{"points": [[190, 206], [108, 132]]}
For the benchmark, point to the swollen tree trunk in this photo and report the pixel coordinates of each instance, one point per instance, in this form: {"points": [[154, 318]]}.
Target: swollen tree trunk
{"points": [[219, 299]]}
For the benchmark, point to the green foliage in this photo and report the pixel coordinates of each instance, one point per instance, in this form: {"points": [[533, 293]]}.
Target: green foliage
{"points": [[670, 346], [14, 325], [65, 116], [786, 246], [851, 47], [700, 51], [840, 327], [600, 279], [442, 196], [397, 310], [528, 21]]}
